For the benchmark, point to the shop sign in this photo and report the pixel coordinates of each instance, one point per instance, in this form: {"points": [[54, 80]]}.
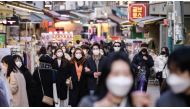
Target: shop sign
{"points": [[137, 11], [9, 21]]}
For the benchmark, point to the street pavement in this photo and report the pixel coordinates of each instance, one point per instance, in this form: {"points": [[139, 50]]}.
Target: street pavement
{"points": [[153, 91]]}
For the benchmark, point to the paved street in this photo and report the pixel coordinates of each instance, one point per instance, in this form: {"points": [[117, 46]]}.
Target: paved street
{"points": [[153, 90]]}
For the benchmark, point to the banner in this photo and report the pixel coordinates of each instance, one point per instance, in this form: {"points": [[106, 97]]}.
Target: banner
{"points": [[2, 40]]}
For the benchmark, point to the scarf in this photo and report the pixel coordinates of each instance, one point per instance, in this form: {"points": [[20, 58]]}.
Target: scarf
{"points": [[78, 70]]}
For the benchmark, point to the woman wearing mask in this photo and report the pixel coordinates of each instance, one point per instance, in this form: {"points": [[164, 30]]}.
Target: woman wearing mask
{"points": [[65, 53], [179, 80], [62, 66], [117, 47], [77, 81], [160, 66], [28, 78], [93, 67], [115, 86], [17, 82]]}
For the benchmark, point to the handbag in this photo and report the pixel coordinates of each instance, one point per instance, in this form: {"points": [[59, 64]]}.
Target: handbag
{"points": [[45, 99], [159, 74]]}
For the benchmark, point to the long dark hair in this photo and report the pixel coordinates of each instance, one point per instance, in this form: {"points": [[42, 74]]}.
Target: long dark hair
{"points": [[11, 64], [63, 57], [15, 57], [82, 60], [102, 88], [167, 51]]}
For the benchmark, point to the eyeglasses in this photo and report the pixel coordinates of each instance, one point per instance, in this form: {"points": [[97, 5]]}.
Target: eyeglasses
{"points": [[117, 46]]}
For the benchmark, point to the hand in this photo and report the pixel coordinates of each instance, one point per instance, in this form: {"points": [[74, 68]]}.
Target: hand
{"points": [[96, 75], [139, 67], [87, 69], [68, 82], [141, 99], [145, 58]]}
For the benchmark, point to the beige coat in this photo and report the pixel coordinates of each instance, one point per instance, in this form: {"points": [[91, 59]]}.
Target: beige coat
{"points": [[18, 88]]}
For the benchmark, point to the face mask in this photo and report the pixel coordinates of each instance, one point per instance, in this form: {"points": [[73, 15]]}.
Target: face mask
{"points": [[163, 53], [119, 86], [96, 52], [64, 50], [144, 50], [59, 54], [72, 51], [116, 49], [78, 56], [178, 84], [18, 64]]}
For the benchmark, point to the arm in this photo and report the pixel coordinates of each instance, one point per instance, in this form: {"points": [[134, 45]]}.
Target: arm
{"points": [[135, 63], [13, 84], [90, 73], [150, 62]]}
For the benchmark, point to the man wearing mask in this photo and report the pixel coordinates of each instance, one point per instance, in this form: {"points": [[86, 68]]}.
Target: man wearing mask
{"points": [[178, 80], [142, 62], [93, 67]]}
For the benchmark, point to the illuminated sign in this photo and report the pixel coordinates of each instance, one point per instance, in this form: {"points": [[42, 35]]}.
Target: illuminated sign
{"points": [[10, 21], [137, 11]]}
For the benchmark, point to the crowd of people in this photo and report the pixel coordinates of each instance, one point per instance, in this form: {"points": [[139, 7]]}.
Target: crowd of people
{"points": [[95, 75]]}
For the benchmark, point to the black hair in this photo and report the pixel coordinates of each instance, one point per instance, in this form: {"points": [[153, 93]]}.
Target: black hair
{"points": [[11, 64], [144, 45], [57, 50], [85, 47], [42, 50], [167, 51], [101, 88], [71, 50], [96, 44], [15, 57], [180, 59], [78, 41]]}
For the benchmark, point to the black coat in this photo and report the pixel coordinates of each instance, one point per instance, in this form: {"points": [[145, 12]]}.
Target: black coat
{"points": [[30, 85], [139, 61], [79, 89], [62, 75], [90, 63], [47, 82], [169, 99]]}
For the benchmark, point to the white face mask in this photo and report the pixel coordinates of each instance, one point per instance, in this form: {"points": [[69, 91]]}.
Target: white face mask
{"points": [[119, 86], [96, 52], [18, 64], [64, 50], [59, 54], [78, 56], [116, 49], [178, 84]]}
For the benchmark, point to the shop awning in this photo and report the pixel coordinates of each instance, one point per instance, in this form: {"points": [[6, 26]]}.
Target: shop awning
{"points": [[147, 20], [115, 18], [80, 15], [43, 17], [51, 13]]}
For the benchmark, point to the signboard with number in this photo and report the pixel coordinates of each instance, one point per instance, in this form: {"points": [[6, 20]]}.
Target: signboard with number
{"points": [[137, 11]]}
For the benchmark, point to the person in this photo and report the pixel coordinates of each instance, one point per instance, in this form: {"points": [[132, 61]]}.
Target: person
{"points": [[43, 78], [61, 65], [3, 94], [116, 85], [72, 49], [28, 78], [142, 62], [118, 47], [86, 50], [178, 95], [93, 67], [78, 43], [160, 65], [66, 55], [17, 82], [77, 81]]}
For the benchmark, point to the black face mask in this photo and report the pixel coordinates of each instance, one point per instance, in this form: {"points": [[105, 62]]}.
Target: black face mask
{"points": [[163, 52]]}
